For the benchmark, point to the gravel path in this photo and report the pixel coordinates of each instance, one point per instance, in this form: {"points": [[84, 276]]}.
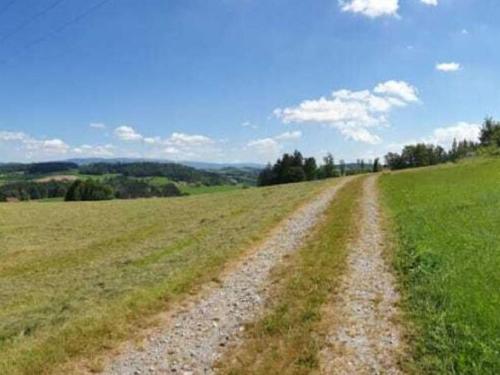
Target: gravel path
{"points": [[365, 336], [196, 337]]}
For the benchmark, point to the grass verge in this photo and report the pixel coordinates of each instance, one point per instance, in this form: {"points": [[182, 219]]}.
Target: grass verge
{"points": [[287, 340], [447, 256]]}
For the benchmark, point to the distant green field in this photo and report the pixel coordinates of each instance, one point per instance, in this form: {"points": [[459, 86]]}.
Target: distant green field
{"points": [[194, 190], [448, 258], [78, 277]]}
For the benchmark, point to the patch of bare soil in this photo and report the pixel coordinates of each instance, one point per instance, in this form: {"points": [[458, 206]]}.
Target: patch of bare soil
{"points": [[365, 336]]}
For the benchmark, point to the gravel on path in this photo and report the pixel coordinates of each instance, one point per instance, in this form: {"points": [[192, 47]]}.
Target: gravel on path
{"points": [[365, 336], [195, 338]]}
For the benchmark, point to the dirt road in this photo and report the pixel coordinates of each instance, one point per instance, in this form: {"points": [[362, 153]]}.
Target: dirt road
{"points": [[196, 337], [365, 336]]}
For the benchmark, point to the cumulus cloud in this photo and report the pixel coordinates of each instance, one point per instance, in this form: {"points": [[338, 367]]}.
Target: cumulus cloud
{"points": [[289, 136], [371, 8], [448, 67], [430, 2], [353, 112], [463, 130], [444, 136], [265, 148], [127, 133], [34, 146], [7, 136], [179, 145], [187, 140], [95, 151], [397, 89]]}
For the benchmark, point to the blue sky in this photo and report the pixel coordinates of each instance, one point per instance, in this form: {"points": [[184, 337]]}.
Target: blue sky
{"points": [[242, 80]]}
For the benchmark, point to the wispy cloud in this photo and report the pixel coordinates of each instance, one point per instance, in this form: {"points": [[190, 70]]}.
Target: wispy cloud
{"points": [[248, 124], [289, 136], [430, 2], [97, 125], [448, 67]]}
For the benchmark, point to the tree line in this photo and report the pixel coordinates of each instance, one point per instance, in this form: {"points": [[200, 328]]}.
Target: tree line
{"points": [[120, 188], [296, 168], [173, 171], [87, 190], [422, 154], [28, 190]]}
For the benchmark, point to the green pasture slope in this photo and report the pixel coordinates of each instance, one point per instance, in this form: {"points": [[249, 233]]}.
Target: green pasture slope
{"points": [[78, 277], [447, 224]]}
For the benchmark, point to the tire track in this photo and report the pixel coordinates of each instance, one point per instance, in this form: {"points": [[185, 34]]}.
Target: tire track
{"points": [[195, 338], [365, 336]]}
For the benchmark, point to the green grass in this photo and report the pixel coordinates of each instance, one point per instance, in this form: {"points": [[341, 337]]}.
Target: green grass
{"points": [[158, 180], [288, 338], [76, 278], [194, 190], [447, 222]]}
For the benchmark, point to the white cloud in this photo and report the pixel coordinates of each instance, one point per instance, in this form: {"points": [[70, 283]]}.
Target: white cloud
{"points": [[180, 145], [443, 136], [463, 130], [353, 112], [7, 136], [371, 8], [248, 124], [448, 67], [465, 32], [187, 140], [289, 136], [33, 146], [430, 2], [398, 89], [360, 135], [127, 133], [97, 125], [95, 151], [265, 148], [171, 150]]}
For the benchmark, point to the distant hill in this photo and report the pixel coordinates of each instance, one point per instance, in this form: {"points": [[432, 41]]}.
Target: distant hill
{"points": [[193, 164]]}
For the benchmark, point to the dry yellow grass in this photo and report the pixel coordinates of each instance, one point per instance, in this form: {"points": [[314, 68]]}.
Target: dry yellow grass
{"points": [[76, 278]]}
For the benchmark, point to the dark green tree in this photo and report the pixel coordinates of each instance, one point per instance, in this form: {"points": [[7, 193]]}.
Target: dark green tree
{"points": [[310, 168]]}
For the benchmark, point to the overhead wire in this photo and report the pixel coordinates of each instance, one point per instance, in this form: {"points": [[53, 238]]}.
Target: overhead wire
{"points": [[84, 14], [67, 24], [30, 20]]}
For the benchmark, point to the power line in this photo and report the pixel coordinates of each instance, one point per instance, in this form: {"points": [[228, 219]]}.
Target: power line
{"points": [[7, 6], [29, 21], [67, 24]]}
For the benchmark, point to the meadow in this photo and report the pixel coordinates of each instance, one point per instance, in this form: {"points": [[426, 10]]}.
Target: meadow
{"points": [[77, 278], [447, 256]]}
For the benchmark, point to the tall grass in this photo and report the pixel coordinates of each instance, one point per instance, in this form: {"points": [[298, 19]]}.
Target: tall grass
{"points": [[447, 221], [76, 278], [288, 338]]}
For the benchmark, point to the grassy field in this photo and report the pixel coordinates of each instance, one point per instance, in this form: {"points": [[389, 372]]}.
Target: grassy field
{"points": [[447, 221], [76, 278], [194, 190], [288, 338]]}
